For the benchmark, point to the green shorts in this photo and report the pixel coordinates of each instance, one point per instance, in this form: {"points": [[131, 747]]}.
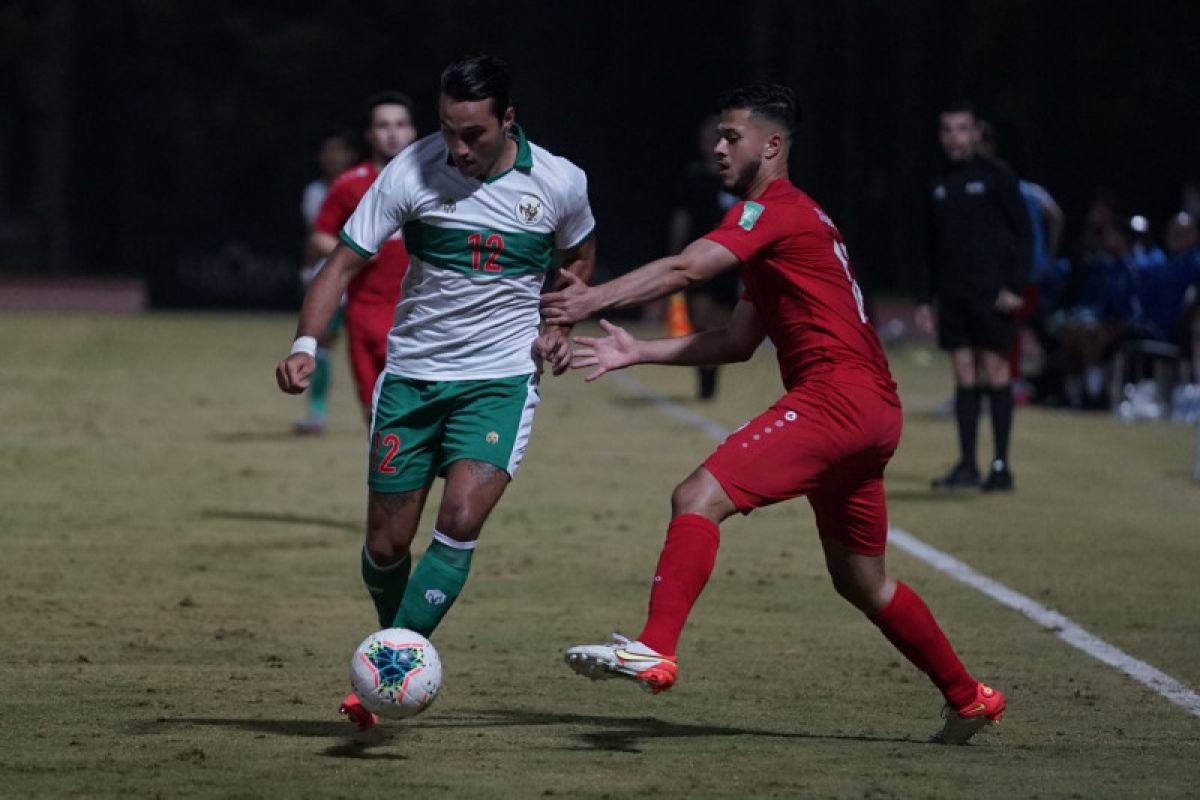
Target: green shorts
{"points": [[418, 428]]}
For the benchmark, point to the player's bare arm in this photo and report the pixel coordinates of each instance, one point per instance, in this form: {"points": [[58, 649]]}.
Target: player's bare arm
{"points": [[554, 343], [700, 261], [737, 341], [320, 303]]}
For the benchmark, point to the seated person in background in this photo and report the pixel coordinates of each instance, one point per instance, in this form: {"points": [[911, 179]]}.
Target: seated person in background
{"points": [[1183, 276], [1157, 307], [1101, 310]]}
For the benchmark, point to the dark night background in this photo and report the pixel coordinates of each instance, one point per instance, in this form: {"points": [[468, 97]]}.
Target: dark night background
{"points": [[139, 137]]}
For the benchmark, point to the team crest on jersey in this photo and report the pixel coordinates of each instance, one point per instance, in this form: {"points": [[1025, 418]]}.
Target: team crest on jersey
{"points": [[448, 205], [751, 211], [529, 210]]}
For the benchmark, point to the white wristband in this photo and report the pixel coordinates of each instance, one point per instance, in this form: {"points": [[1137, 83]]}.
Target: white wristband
{"points": [[306, 345]]}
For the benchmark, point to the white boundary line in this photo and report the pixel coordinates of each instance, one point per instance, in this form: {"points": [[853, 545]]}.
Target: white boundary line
{"points": [[1070, 632]]}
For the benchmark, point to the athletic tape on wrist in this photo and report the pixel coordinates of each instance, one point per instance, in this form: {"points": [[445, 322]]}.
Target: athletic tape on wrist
{"points": [[305, 344]]}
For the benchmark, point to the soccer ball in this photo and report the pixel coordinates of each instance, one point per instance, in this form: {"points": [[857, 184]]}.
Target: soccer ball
{"points": [[396, 673]]}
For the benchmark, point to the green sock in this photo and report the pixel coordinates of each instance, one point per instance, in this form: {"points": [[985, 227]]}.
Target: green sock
{"points": [[318, 387], [386, 585], [435, 585]]}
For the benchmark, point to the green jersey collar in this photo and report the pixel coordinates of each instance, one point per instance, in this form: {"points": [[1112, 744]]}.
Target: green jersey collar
{"points": [[524, 160]]}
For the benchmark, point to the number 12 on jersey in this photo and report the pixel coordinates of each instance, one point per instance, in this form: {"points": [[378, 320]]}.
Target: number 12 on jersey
{"points": [[495, 246], [843, 255]]}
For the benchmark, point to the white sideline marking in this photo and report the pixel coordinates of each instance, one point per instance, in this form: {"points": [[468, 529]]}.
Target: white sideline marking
{"points": [[669, 407], [1070, 632], [1048, 618]]}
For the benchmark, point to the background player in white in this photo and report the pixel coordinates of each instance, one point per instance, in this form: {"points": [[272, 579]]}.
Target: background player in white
{"points": [[337, 153], [484, 213]]}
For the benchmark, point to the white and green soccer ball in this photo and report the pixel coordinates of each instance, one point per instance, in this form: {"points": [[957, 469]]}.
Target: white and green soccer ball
{"points": [[396, 673]]}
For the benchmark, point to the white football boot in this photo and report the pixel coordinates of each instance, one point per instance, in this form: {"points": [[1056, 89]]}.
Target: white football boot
{"points": [[634, 661]]}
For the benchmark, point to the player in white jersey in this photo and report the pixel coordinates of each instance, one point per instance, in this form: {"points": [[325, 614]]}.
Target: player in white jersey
{"points": [[484, 214]]}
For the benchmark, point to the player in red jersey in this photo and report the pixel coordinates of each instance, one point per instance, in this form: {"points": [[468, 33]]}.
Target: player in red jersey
{"points": [[828, 438], [373, 293]]}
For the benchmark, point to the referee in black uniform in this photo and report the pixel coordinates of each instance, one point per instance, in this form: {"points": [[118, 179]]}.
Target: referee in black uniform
{"points": [[978, 246]]}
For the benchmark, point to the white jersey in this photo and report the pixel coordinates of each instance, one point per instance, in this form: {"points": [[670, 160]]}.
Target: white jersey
{"points": [[314, 195], [479, 252]]}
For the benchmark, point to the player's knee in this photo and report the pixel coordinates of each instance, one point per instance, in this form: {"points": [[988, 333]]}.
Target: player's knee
{"points": [[384, 551], [387, 540], [460, 519], [695, 496], [867, 593], [683, 499]]}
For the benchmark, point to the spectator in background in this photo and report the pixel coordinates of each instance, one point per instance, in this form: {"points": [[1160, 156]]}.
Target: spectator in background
{"points": [[700, 203], [336, 153], [1047, 222], [1103, 304], [1183, 269], [1158, 303], [978, 263]]}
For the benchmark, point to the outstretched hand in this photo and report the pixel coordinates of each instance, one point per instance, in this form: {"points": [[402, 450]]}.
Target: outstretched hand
{"points": [[569, 303], [616, 351]]}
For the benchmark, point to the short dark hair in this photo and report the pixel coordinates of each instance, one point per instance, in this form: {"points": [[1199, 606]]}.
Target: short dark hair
{"points": [[959, 106], [388, 98], [479, 77], [767, 100], [340, 133]]}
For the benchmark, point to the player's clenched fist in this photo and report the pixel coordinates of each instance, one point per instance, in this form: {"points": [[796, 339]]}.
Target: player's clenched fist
{"points": [[554, 346], [293, 372]]}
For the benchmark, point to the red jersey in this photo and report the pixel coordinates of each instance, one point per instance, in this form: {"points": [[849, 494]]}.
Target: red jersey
{"points": [[378, 282], [797, 274]]}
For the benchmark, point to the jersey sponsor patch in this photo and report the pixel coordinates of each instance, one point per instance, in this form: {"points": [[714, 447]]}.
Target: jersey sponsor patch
{"points": [[751, 211]]}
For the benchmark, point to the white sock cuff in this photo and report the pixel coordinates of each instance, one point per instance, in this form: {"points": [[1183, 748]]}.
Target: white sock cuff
{"points": [[438, 536]]}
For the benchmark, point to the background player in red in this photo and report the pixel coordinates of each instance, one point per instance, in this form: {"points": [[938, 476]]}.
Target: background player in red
{"points": [[373, 293], [828, 438]]}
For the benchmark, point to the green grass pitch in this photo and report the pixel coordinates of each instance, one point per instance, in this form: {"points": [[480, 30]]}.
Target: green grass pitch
{"points": [[180, 595]]}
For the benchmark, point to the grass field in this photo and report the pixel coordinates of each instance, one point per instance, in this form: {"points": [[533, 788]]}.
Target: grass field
{"points": [[180, 594]]}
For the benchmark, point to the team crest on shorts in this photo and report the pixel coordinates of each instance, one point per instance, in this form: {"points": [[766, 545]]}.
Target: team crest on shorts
{"points": [[529, 210], [492, 437]]}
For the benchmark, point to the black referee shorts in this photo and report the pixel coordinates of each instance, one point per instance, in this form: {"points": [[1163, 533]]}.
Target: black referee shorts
{"points": [[968, 323]]}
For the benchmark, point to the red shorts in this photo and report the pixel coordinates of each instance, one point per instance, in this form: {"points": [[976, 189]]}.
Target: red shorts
{"points": [[827, 441], [367, 329]]}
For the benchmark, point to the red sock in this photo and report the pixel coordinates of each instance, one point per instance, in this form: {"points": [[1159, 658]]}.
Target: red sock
{"points": [[683, 568], [911, 628]]}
